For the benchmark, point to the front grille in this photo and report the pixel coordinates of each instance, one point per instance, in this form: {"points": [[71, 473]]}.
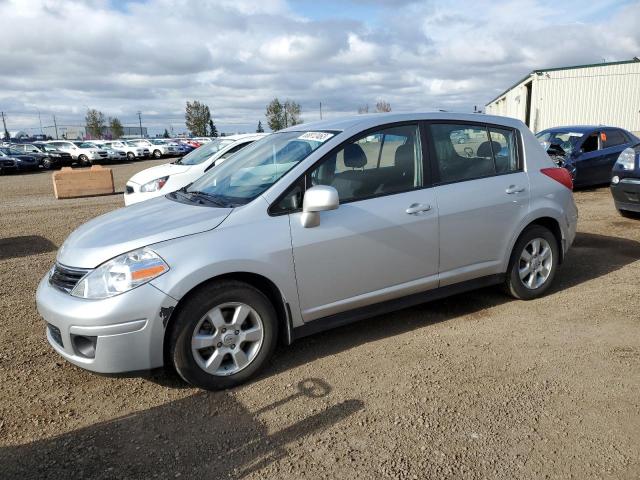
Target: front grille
{"points": [[128, 189], [65, 278], [103, 154], [7, 163], [55, 334]]}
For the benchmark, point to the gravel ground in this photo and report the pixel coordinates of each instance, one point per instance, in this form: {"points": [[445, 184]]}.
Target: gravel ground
{"points": [[475, 386]]}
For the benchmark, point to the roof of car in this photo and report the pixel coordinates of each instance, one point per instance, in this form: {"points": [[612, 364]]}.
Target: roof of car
{"points": [[374, 119], [577, 128]]}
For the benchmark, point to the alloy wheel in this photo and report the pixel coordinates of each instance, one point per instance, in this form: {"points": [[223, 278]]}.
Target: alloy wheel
{"points": [[227, 339], [535, 264]]}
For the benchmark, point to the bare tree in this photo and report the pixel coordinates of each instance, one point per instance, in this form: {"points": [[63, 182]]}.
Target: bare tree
{"points": [[363, 109], [383, 106]]}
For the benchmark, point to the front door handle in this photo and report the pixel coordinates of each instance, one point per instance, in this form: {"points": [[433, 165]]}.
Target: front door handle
{"points": [[511, 189], [417, 208]]}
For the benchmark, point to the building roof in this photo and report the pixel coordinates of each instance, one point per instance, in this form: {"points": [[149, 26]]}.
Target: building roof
{"points": [[555, 69]]}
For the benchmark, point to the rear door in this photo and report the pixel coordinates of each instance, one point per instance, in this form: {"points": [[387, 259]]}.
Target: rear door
{"points": [[482, 195], [382, 241]]}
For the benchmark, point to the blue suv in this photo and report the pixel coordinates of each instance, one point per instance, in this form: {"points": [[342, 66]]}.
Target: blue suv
{"points": [[587, 152]]}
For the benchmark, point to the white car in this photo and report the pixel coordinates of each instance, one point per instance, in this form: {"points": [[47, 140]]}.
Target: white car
{"points": [[84, 152], [114, 155], [131, 151], [162, 179], [157, 148]]}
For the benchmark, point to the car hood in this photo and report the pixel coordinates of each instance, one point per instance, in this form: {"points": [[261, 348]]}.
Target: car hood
{"points": [[136, 226], [158, 171]]}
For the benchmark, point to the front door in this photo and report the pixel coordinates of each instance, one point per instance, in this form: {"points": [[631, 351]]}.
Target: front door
{"points": [[382, 242]]}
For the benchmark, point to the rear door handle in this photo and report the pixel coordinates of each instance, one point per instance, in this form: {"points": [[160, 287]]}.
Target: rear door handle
{"points": [[511, 189], [417, 208]]}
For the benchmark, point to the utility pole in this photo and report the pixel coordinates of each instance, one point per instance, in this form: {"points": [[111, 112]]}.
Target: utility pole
{"points": [[320, 110], [140, 120], [40, 120], [56, 126], [5, 133]]}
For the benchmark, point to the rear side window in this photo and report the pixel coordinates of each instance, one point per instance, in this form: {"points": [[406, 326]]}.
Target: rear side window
{"points": [[613, 138], [505, 151], [458, 161]]}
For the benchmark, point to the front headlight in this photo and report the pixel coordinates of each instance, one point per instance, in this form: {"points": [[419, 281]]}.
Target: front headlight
{"points": [[154, 185], [627, 159], [121, 274]]}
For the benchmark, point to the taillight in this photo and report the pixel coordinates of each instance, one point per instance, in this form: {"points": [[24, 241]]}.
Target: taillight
{"points": [[560, 175]]}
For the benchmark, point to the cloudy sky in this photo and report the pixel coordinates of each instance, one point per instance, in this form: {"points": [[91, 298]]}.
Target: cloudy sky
{"points": [[120, 56]]}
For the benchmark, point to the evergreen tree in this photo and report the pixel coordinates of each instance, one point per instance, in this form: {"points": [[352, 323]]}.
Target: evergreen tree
{"points": [[260, 129]]}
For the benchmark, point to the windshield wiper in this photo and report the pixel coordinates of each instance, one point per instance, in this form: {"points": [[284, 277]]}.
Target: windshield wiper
{"points": [[210, 197]]}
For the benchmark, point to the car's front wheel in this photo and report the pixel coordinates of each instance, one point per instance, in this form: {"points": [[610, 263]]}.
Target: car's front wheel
{"points": [[84, 161], [223, 335], [157, 154], [533, 263], [131, 156]]}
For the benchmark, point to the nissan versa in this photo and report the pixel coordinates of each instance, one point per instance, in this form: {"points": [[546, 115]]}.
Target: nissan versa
{"points": [[307, 229]]}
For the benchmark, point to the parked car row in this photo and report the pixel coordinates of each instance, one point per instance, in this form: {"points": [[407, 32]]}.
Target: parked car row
{"points": [[59, 153]]}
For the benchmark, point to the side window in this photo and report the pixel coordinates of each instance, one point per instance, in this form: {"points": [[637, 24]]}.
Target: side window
{"points": [[505, 151], [462, 161], [379, 163], [590, 143], [292, 200], [613, 138], [235, 149]]}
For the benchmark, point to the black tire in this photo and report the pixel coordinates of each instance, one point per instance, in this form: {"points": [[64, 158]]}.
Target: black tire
{"points": [[47, 164], [84, 161], [157, 154], [131, 156], [514, 286], [189, 316]]}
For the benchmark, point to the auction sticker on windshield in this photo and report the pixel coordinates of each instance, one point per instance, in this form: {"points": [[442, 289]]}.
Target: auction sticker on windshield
{"points": [[316, 136]]}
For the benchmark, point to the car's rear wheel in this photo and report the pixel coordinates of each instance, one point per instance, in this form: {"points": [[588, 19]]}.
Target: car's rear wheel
{"points": [[157, 154], [533, 263], [84, 161], [223, 335]]}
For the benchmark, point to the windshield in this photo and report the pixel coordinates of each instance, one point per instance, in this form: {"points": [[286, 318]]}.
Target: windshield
{"points": [[566, 139], [252, 170], [203, 153], [157, 142], [85, 145]]}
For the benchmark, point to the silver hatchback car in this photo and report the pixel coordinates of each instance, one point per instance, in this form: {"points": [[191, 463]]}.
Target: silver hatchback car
{"points": [[307, 229]]}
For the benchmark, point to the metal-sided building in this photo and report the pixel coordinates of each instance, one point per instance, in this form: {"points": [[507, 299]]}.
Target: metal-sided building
{"points": [[597, 94]]}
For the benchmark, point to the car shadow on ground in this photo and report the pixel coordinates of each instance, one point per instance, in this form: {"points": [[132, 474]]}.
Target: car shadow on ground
{"points": [[207, 435], [23, 246]]}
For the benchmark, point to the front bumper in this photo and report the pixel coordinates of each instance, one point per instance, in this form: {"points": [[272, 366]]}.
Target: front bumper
{"points": [[626, 194], [128, 329]]}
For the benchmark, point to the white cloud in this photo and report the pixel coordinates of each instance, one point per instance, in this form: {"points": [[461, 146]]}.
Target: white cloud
{"points": [[59, 56]]}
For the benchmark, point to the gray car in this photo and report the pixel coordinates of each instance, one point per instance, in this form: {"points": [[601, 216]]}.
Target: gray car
{"points": [[307, 229]]}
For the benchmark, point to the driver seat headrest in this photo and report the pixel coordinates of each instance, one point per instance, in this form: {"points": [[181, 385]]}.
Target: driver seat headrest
{"points": [[354, 156]]}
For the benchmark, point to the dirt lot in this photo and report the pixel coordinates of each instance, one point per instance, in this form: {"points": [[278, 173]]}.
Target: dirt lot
{"points": [[476, 386]]}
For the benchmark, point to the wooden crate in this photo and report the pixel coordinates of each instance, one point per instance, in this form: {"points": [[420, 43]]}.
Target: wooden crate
{"points": [[73, 183]]}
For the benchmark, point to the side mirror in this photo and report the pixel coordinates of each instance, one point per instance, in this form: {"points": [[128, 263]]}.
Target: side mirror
{"points": [[318, 199]]}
